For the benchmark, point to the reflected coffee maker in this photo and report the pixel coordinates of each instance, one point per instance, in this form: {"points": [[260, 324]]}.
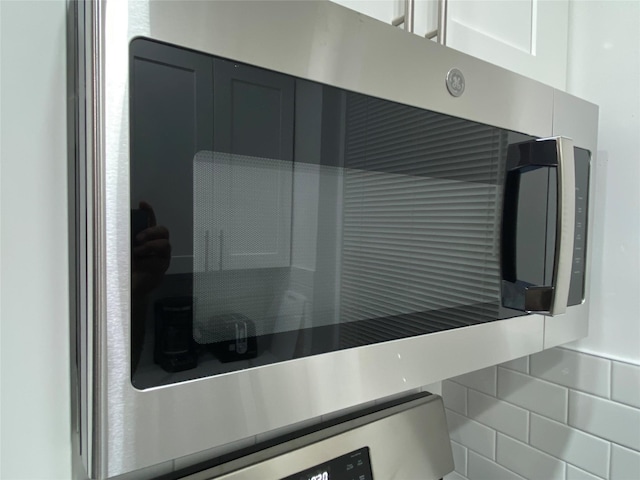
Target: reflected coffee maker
{"points": [[174, 348]]}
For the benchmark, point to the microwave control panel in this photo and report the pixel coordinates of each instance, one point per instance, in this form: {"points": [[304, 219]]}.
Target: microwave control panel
{"points": [[576, 290]]}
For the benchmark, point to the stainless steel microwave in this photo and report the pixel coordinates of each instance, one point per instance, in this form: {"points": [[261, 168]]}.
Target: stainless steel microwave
{"points": [[285, 210]]}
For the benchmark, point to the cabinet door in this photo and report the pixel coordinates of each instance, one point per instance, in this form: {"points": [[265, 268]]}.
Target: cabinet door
{"points": [[253, 122], [528, 36], [171, 120], [383, 10]]}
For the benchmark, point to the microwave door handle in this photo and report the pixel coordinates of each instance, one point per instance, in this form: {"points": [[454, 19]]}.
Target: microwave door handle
{"points": [[548, 152], [565, 224]]}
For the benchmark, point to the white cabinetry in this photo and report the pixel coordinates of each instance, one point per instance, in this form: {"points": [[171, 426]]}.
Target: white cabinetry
{"points": [[383, 10], [253, 121], [171, 110], [242, 212], [525, 36], [225, 210], [425, 12], [528, 37]]}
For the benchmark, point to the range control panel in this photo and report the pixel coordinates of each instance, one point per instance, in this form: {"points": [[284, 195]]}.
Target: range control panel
{"points": [[407, 438], [352, 466]]}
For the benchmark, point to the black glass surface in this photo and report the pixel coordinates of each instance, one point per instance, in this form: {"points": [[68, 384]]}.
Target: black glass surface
{"points": [[353, 465], [576, 290], [274, 218]]}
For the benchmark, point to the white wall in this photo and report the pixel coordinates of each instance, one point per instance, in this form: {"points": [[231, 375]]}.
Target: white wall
{"points": [[604, 68], [34, 349]]}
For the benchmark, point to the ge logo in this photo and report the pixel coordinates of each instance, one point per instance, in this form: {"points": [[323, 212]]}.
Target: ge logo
{"points": [[455, 82]]}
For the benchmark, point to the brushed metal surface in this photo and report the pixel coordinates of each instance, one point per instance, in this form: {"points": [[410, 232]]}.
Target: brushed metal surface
{"points": [[340, 47], [410, 441], [82, 54], [577, 119], [319, 41], [565, 225]]}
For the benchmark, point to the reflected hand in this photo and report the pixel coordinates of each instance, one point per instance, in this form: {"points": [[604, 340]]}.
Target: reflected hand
{"points": [[150, 256]]}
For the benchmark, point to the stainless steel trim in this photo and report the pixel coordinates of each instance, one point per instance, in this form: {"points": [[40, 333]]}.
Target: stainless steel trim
{"points": [[578, 119], [83, 57], [407, 441], [443, 7], [409, 14], [565, 225], [97, 240], [432, 34], [396, 22], [77, 233], [407, 18]]}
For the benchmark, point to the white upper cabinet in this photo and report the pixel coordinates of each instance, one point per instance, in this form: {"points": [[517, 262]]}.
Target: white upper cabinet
{"points": [[253, 120], [525, 36], [171, 120], [242, 212], [528, 37], [383, 10], [212, 157], [425, 12]]}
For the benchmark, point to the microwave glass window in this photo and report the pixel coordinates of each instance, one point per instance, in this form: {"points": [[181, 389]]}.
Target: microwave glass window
{"points": [[274, 218]]}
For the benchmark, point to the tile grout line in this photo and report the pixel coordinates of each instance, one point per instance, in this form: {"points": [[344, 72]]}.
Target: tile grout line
{"points": [[610, 380], [564, 422], [466, 401], [595, 355], [568, 409], [566, 462], [465, 386], [466, 462]]}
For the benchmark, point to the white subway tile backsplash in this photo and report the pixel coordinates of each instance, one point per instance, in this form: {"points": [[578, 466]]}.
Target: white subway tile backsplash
{"points": [[625, 463], [502, 416], [625, 383], [573, 369], [519, 364], [604, 418], [574, 473], [482, 380], [527, 461], [481, 468], [533, 394], [454, 396], [472, 434], [576, 447], [558, 414], [459, 458]]}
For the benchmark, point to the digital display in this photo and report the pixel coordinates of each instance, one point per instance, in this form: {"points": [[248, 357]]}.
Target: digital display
{"points": [[352, 466], [320, 476]]}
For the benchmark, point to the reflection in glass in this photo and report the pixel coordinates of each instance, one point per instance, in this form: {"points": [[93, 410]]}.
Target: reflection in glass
{"points": [[301, 222]]}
